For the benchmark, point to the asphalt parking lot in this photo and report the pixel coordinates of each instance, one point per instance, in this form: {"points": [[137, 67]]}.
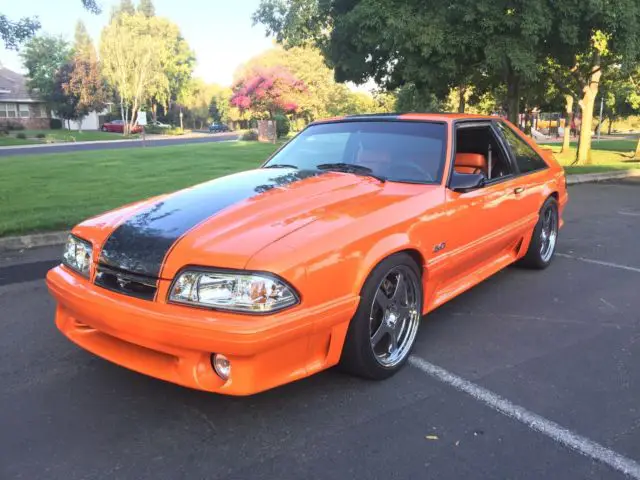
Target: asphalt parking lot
{"points": [[563, 344]]}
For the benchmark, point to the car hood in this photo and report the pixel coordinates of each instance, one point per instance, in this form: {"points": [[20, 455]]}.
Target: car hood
{"points": [[226, 221]]}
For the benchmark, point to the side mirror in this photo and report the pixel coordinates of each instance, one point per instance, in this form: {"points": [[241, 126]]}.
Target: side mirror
{"points": [[466, 182]]}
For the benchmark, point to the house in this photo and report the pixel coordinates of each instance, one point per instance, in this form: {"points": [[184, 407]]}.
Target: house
{"points": [[18, 105], [93, 121]]}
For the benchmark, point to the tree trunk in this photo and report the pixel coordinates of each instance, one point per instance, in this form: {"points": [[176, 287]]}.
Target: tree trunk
{"points": [[527, 122], [513, 98], [610, 125], [80, 124], [154, 111], [637, 155], [566, 138], [123, 116], [587, 105], [462, 90], [134, 113]]}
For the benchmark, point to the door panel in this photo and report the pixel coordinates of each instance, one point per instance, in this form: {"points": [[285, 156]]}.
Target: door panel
{"points": [[480, 222]]}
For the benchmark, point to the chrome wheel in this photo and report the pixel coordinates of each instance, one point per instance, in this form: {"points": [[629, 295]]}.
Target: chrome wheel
{"points": [[548, 234], [394, 317]]}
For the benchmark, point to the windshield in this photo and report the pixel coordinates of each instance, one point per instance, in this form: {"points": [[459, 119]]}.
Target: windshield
{"points": [[399, 151]]}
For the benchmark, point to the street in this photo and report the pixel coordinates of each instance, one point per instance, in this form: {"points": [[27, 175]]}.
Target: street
{"points": [[107, 145], [563, 343]]}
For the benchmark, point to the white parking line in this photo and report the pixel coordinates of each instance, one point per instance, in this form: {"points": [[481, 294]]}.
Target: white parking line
{"points": [[600, 262], [630, 214], [540, 424]]}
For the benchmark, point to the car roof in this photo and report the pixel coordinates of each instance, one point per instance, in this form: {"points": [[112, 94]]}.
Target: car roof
{"points": [[429, 117]]}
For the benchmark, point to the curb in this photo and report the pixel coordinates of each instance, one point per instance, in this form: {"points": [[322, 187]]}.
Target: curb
{"points": [[579, 178], [58, 238], [33, 241]]}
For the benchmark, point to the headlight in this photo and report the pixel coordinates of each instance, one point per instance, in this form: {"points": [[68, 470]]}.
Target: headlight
{"points": [[240, 292], [77, 255]]}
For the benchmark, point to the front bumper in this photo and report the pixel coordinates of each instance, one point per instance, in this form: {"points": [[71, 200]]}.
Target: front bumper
{"points": [[174, 343]]}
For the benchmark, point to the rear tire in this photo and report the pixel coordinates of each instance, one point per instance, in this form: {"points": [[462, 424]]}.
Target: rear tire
{"points": [[384, 328], [544, 238]]}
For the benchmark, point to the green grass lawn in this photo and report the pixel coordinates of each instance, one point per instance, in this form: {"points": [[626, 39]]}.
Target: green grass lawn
{"points": [[55, 136], [84, 136], [607, 155], [6, 141], [55, 191]]}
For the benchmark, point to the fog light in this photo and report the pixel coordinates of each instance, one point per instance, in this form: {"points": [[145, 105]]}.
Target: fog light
{"points": [[221, 365]]}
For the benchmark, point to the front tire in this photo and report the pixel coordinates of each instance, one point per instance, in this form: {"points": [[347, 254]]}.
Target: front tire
{"points": [[104, 129], [545, 237], [384, 328]]}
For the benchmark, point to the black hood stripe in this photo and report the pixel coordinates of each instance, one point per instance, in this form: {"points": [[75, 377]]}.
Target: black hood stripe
{"points": [[140, 244]]}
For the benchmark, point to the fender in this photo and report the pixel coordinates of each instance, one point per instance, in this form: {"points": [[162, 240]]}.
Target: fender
{"points": [[378, 252]]}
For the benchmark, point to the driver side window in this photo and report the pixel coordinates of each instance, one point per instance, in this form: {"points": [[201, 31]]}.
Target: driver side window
{"points": [[478, 151]]}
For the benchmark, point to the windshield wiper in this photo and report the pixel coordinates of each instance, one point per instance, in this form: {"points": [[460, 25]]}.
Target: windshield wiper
{"points": [[281, 165], [351, 168]]}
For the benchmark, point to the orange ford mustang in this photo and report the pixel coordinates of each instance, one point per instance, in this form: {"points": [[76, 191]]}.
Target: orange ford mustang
{"points": [[329, 253]]}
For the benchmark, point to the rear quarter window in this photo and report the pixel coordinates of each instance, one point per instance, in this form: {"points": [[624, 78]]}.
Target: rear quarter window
{"points": [[526, 157]]}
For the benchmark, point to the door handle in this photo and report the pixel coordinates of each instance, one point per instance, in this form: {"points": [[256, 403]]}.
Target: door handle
{"points": [[518, 190]]}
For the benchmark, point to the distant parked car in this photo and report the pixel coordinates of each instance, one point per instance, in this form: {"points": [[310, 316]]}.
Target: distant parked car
{"points": [[218, 127], [157, 124], [117, 126]]}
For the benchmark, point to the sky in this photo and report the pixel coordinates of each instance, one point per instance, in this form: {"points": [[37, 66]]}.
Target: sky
{"points": [[219, 31]]}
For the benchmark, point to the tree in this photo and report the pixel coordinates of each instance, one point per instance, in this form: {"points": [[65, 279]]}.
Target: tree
{"points": [[126, 7], [177, 62], [132, 62], [85, 82], [267, 92], [306, 64], [589, 37], [385, 102], [63, 102], [220, 106], [83, 45], [146, 8], [411, 99], [197, 100], [431, 44], [42, 57], [14, 33]]}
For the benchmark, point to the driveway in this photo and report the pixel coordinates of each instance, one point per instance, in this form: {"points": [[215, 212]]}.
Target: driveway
{"points": [[113, 144], [501, 380]]}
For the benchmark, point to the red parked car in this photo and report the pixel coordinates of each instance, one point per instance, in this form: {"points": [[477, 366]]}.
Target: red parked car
{"points": [[117, 126]]}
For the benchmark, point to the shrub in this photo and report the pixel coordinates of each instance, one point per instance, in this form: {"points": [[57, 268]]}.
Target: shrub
{"points": [[250, 136], [154, 130], [283, 126], [55, 124], [13, 126], [174, 131], [40, 135], [21, 136], [50, 139]]}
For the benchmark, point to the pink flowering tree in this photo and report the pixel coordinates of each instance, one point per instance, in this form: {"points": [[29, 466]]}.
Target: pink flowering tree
{"points": [[268, 91]]}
